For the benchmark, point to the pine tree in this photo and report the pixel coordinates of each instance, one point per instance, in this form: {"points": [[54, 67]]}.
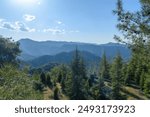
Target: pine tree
{"points": [[43, 78], [101, 86], [59, 79], [104, 75], [147, 84], [125, 79], [78, 78], [135, 27], [142, 80], [49, 81], [104, 68], [68, 84], [64, 71], [129, 75], [116, 75], [56, 93], [93, 79], [38, 86], [147, 87]]}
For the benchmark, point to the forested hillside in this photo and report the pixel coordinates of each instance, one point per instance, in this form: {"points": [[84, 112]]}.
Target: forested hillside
{"points": [[73, 79], [64, 58]]}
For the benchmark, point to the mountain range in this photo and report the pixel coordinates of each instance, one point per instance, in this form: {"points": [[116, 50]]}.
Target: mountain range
{"points": [[59, 50]]}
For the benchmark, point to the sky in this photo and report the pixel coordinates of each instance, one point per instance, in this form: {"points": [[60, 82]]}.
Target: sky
{"points": [[89, 21]]}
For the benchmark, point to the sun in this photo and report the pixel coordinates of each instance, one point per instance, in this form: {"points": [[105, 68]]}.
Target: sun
{"points": [[26, 2]]}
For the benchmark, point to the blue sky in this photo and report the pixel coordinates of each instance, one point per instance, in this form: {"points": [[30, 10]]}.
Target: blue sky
{"points": [[90, 21]]}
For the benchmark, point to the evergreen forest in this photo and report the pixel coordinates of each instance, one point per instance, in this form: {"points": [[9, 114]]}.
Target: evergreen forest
{"points": [[107, 79]]}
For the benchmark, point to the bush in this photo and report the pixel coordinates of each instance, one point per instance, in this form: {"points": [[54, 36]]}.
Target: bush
{"points": [[38, 86], [147, 87], [16, 85]]}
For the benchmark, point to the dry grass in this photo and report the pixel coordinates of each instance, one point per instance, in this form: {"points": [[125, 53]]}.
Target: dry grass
{"points": [[134, 94], [48, 94], [130, 92]]}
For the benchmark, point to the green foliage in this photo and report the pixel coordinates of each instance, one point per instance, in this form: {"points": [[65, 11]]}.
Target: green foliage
{"points": [[94, 92], [104, 75], [59, 74], [49, 81], [16, 85], [78, 78], [135, 27], [54, 73], [104, 68], [145, 1], [67, 84], [125, 78], [9, 50], [142, 80], [38, 86], [146, 85], [43, 78], [129, 75], [59, 77], [93, 79], [57, 92], [97, 90], [93, 86], [101, 89], [116, 75]]}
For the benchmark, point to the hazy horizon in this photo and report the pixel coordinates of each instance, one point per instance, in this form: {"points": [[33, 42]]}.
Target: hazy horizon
{"points": [[67, 41]]}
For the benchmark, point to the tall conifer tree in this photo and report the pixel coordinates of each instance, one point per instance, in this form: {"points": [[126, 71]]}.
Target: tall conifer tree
{"points": [[116, 75], [135, 27], [78, 78]]}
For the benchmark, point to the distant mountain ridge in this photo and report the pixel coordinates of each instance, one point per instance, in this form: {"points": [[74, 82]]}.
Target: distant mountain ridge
{"points": [[33, 49], [64, 58]]}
